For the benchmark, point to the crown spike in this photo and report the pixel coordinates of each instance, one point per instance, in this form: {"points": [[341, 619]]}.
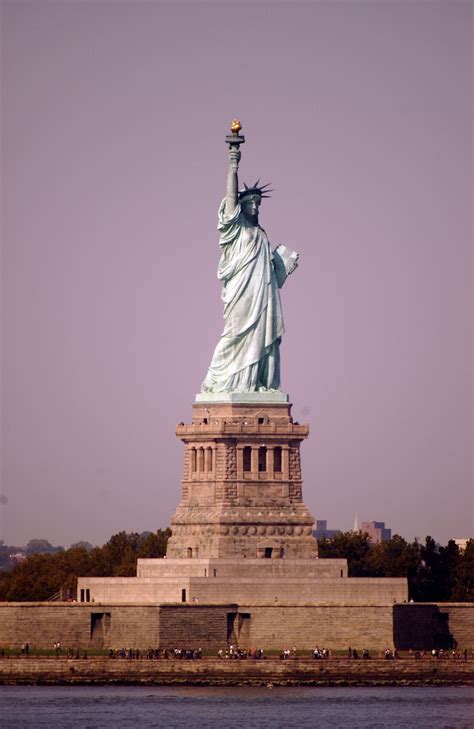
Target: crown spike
{"points": [[255, 189]]}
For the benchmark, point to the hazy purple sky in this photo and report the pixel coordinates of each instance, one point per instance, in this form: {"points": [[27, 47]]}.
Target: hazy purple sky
{"points": [[113, 165]]}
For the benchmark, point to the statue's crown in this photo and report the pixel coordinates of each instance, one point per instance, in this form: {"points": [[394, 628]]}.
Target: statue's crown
{"points": [[255, 190]]}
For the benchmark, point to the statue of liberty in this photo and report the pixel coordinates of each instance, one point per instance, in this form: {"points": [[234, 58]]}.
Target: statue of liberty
{"points": [[247, 356]]}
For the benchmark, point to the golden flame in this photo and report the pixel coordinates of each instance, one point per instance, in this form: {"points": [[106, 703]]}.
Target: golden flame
{"points": [[235, 126]]}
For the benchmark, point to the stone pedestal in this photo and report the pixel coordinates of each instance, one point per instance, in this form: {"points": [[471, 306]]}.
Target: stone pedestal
{"points": [[242, 485], [241, 534]]}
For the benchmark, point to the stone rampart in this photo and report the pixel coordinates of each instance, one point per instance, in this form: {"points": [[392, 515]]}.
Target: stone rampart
{"points": [[78, 626], [332, 626], [109, 625], [433, 625]]}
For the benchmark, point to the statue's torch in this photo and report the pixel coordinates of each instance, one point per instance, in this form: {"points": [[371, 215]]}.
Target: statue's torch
{"points": [[235, 139]]}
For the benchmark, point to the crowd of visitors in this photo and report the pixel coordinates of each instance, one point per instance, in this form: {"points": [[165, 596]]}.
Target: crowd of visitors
{"points": [[442, 654], [353, 654], [236, 652], [319, 653], [187, 654]]}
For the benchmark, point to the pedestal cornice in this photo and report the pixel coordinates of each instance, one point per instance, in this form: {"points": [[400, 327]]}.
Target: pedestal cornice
{"points": [[245, 398]]}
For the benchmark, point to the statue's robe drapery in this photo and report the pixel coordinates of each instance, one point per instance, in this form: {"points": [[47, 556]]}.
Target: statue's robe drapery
{"points": [[247, 356]]}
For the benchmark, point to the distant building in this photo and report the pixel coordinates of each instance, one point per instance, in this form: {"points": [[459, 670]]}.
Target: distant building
{"points": [[18, 557], [323, 531], [462, 543], [376, 531]]}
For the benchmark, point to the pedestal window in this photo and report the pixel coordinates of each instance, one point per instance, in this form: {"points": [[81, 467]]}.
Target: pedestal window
{"points": [[277, 459], [247, 459]]}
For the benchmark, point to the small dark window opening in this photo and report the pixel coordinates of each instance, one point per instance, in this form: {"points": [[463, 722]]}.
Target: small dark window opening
{"points": [[261, 421], [262, 459], [342, 573], [190, 552], [183, 595], [277, 459], [88, 595], [215, 573], [82, 595], [247, 455], [204, 420], [268, 552]]}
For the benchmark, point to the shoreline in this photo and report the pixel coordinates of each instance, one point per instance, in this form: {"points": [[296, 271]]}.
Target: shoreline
{"points": [[245, 672]]}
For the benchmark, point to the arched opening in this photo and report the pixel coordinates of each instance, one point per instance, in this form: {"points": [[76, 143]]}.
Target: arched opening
{"points": [[193, 460], [209, 459], [262, 458]]}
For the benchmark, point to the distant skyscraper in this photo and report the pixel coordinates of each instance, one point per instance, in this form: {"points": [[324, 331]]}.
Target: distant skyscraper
{"points": [[323, 531], [376, 531]]}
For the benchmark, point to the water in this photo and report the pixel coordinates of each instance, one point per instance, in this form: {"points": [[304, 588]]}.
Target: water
{"points": [[125, 707]]}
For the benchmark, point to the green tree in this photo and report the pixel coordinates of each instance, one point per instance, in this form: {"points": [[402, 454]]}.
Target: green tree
{"points": [[40, 576], [393, 558], [463, 588], [121, 554], [35, 579], [449, 559], [435, 578], [352, 546], [154, 545], [41, 546]]}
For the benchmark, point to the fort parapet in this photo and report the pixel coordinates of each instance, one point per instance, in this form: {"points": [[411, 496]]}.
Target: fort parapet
{"points": [[210, 627]]}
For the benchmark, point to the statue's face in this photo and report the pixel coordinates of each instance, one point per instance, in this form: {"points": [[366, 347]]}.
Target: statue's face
{"points": [[250, 205]]}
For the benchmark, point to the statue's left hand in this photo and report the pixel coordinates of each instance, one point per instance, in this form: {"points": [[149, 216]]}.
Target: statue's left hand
{"points": [[294, 265]]}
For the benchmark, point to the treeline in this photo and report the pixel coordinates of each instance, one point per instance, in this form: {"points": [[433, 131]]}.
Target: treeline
{"points": [[40, 576], [434, 572]]}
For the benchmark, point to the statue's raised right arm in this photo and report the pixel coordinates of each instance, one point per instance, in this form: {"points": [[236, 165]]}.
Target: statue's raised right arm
{"points": [[232, 194]]}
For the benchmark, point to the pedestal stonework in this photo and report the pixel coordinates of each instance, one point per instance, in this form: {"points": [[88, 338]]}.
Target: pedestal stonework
{"points": [[241, 534], [242, 485]]}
